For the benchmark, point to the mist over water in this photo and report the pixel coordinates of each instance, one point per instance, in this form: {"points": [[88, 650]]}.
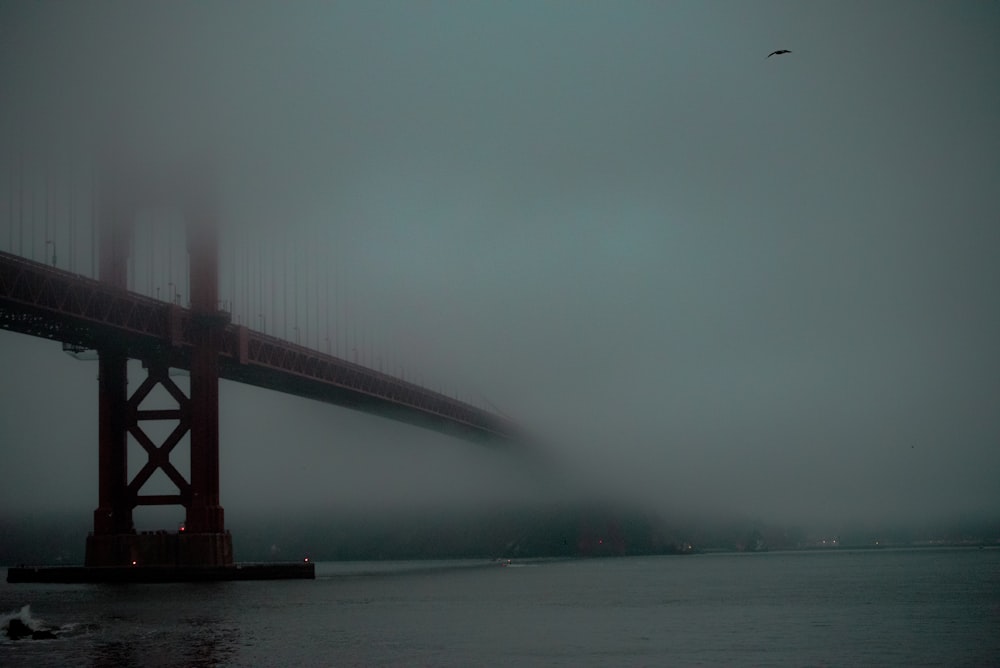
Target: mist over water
{"points": [[711, 284]]}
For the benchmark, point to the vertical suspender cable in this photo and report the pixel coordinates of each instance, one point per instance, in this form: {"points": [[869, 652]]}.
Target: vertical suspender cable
{"points": [[20, 205], [305, 268], [273, 311], [72, 219], [93, 220], [10, 206]]}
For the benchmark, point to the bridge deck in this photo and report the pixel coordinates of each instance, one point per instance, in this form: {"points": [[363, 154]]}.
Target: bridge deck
{"points": [[51, 303]]}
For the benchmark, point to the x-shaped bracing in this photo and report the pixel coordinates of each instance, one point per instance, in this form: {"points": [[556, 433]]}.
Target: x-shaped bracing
{"points": [[159, 455]]}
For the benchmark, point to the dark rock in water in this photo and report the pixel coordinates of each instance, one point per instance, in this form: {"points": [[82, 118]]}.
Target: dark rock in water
{"points": [[16, 629]]}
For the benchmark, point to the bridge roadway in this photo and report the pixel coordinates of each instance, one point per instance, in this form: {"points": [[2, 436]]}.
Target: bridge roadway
{"points": [[81, 312]]}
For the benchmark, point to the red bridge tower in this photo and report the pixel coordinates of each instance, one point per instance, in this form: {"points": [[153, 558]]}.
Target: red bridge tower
{"points": [[203, 540]]}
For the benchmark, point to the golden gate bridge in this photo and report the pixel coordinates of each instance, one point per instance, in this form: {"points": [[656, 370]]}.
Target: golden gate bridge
{"points": [[121, 265]]}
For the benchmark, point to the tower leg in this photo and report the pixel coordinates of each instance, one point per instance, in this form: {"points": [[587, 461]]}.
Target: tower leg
{"points": [[109, 544], [205, 528]]}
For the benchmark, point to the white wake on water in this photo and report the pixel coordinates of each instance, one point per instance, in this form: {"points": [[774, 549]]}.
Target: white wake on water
{"points": [[22, 625]]}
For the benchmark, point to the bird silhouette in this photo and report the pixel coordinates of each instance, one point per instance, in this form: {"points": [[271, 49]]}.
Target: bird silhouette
{"points": [[778, 52]]}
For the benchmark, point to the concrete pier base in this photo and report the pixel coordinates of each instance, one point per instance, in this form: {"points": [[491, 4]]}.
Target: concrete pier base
{"points": [[156, 574], [159, 548], [160, 556]]}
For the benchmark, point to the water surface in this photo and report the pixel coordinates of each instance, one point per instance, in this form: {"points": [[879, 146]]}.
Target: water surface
{"points": [[843, 608]]}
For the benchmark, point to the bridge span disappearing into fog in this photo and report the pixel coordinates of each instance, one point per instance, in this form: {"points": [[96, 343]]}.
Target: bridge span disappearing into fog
{"points": [[85, 314], [103, 314]]}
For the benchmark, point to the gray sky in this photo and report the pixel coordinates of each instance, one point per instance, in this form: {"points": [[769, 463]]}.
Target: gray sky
{"points": [[712, 280]]}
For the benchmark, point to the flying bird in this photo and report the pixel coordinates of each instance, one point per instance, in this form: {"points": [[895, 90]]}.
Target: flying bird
{"points": [[778, 52]]}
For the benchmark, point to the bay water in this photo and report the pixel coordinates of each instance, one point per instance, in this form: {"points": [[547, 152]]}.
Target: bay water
{"points": [[901, 607]]}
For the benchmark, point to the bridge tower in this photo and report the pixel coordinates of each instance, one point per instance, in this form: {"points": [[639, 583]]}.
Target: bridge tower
{"points": [[203, 539]]}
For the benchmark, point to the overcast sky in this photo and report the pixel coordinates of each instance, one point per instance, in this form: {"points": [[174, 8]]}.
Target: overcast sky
{"points": [[710, 279]]}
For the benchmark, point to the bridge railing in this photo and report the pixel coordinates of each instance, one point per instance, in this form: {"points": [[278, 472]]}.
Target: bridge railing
{"points": [[39, 292]]}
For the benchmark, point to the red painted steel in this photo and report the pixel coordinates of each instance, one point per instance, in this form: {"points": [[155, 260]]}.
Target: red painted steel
{"points": [[103, 315], [113, 516], [204, 512], [42, 301], [114, 512], [83, 313], [158, 456]]}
